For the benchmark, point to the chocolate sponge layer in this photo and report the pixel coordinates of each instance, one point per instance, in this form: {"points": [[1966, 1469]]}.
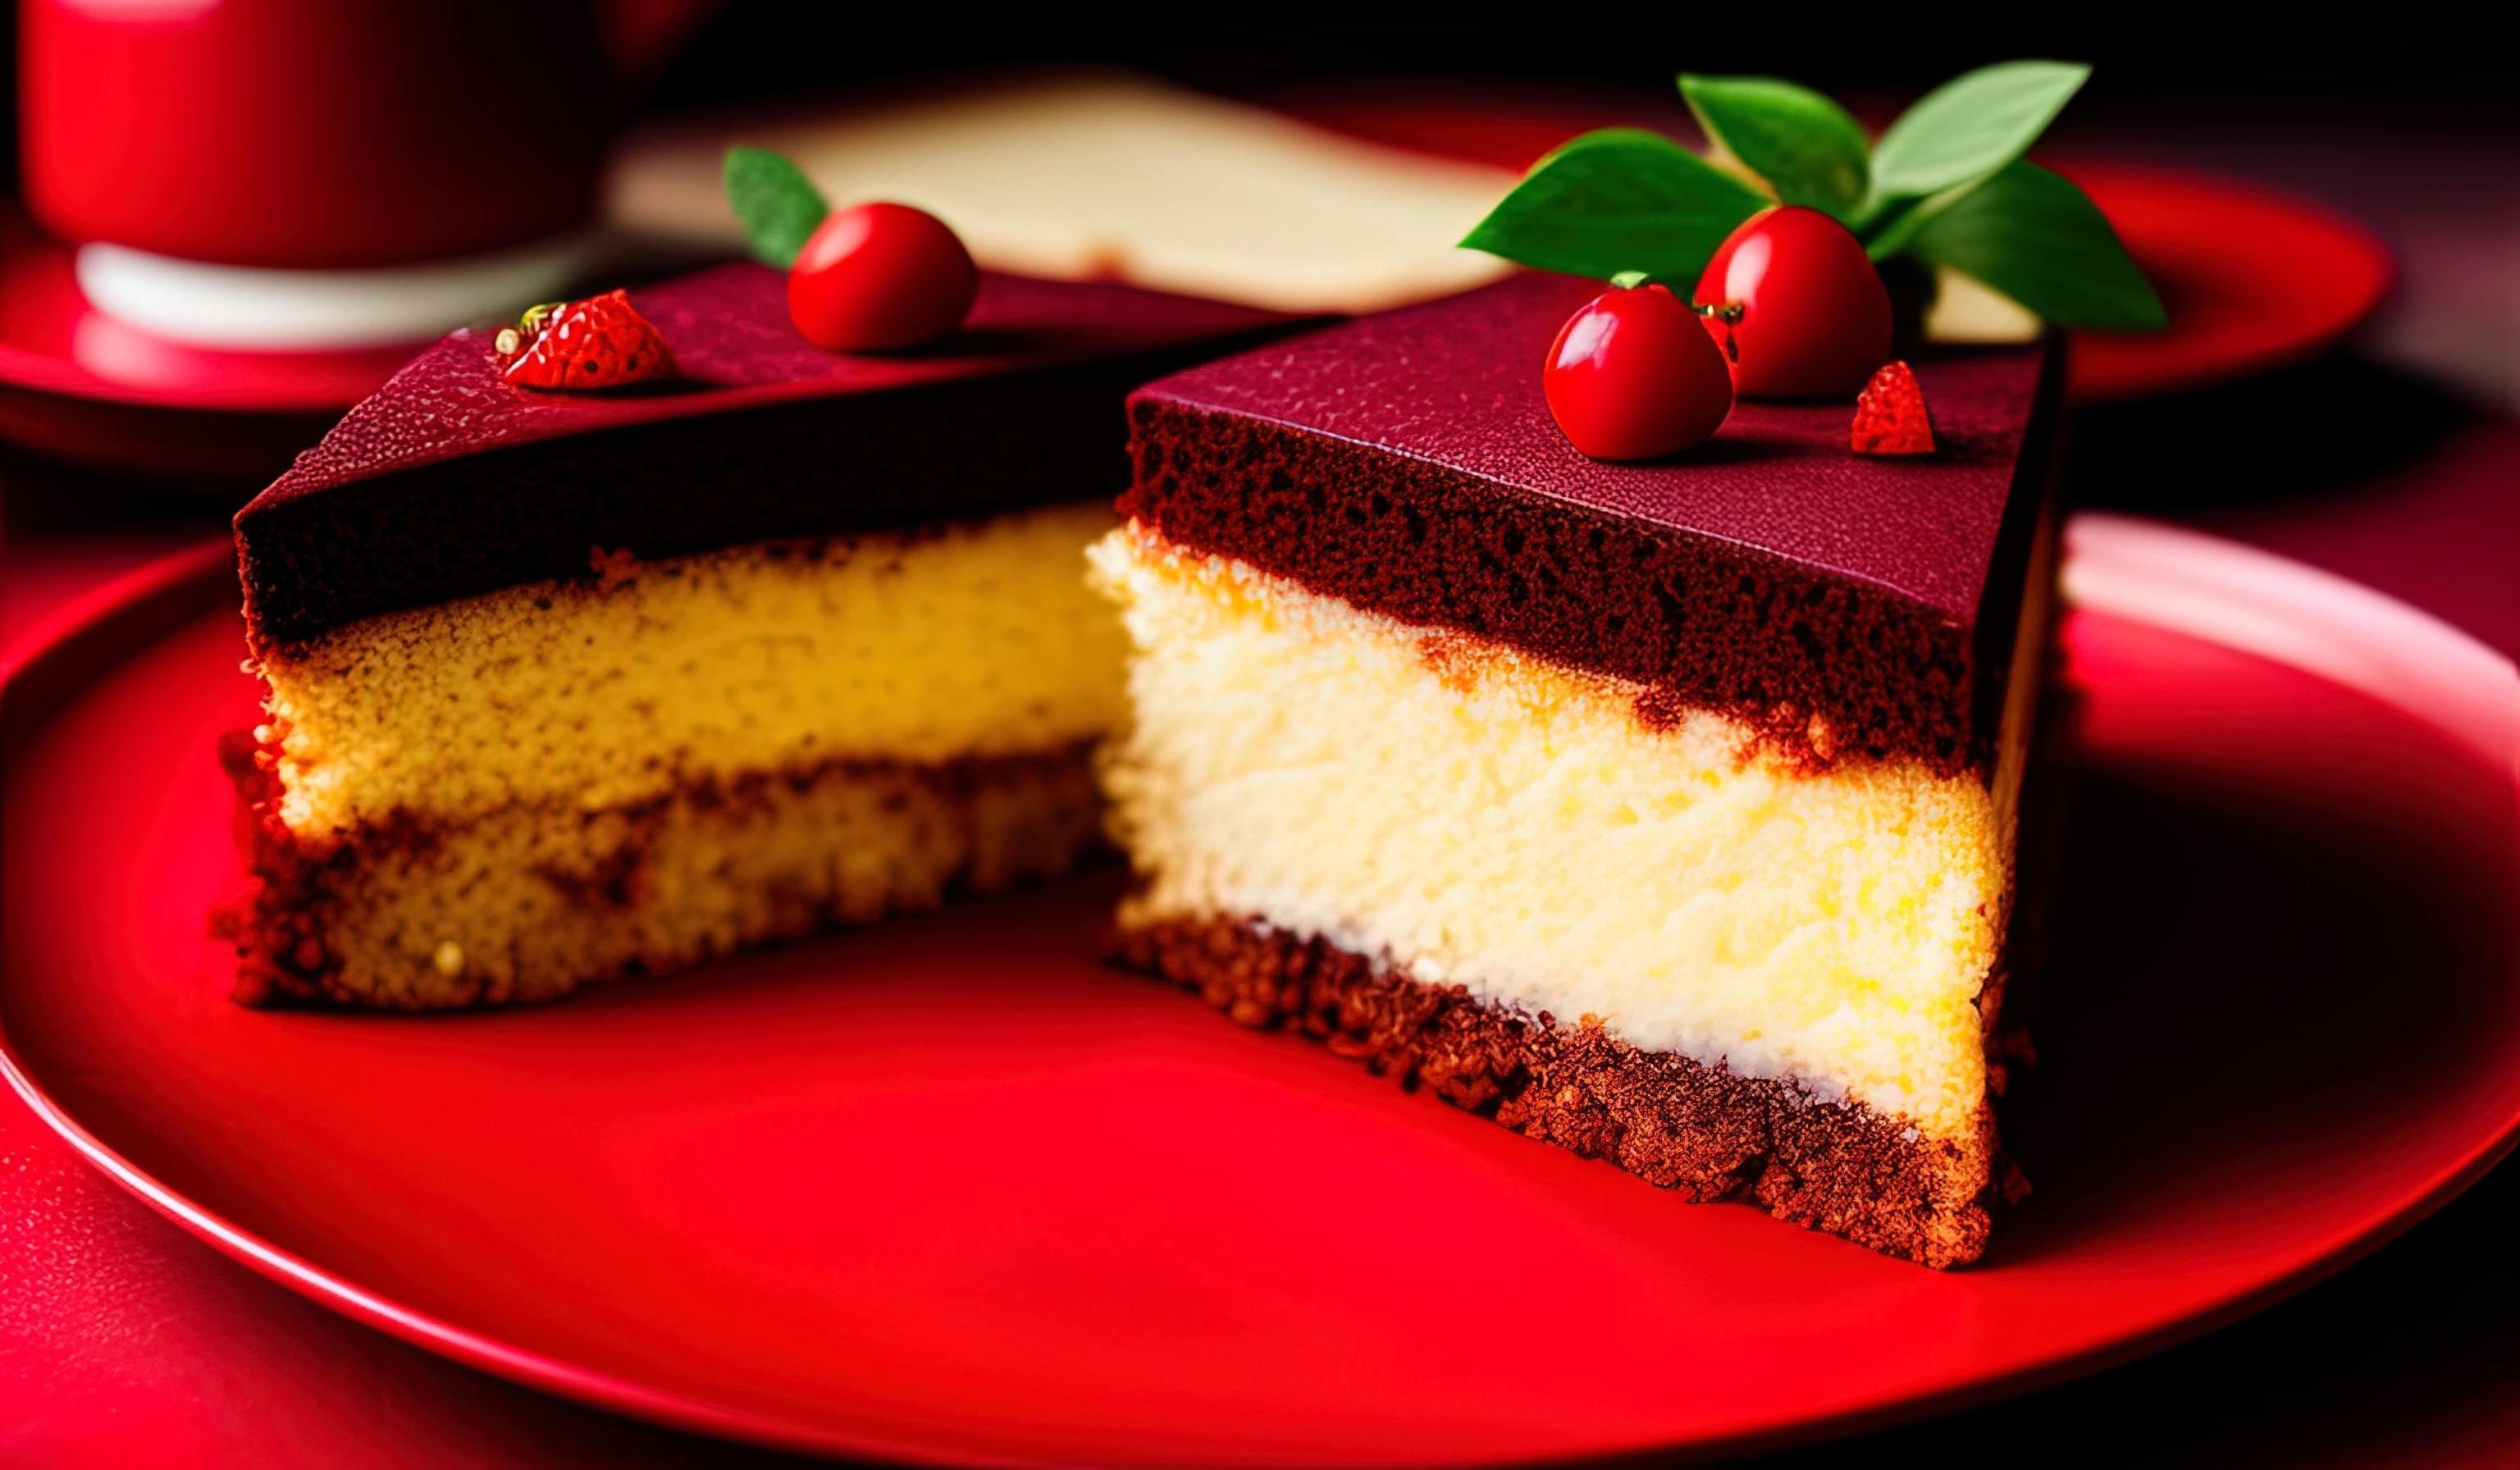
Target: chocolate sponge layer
{"points": [[1843, 606], [1699, 1131]]}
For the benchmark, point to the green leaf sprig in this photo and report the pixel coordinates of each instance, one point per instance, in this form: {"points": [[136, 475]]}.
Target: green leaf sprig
{"points": [[775, 203], [1946, 184], [1617, 200]]}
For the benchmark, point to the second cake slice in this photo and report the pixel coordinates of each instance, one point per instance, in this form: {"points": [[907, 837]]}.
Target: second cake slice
{"points": [[1664, 811]]}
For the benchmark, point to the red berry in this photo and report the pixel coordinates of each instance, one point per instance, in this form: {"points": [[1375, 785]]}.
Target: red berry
{"points": [[879, 276], [1632, 376], [600, 342], [1890, 416], [1813, 320]]}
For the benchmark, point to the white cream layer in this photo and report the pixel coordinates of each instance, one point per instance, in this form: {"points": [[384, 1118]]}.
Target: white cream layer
{"points": [[1480, 818]]}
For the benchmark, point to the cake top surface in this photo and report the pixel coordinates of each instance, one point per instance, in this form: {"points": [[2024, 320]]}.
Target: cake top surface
{"points": [[1457, 383], [451, 481], [735, 349]]}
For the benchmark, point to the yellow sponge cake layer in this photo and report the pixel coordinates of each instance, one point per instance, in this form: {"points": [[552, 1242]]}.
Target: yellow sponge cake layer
{"points": [[967, 640], [500, 797], [1472, 817], [531, 902]]}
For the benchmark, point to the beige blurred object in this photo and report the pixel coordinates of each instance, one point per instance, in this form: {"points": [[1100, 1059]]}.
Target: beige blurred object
{"points": [[1967, 312], [1111, 175]]}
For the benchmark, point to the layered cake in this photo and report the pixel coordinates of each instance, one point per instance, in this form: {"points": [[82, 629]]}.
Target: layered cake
{"points": [[1664, 811], [564, 686]]}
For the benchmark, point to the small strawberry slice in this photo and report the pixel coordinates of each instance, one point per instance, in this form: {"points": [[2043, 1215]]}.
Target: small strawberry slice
{"points": [[600, 342], [1890, 416]]}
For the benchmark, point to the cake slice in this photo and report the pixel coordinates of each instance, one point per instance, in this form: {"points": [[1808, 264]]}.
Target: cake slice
{"points": [[564, 687], [1665, 812]]}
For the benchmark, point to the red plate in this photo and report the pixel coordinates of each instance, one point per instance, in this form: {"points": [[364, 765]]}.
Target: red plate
{"points": [[2253, 279], [947, 1188]]}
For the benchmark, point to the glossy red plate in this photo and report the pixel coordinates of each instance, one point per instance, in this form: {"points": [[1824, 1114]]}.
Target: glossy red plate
{"points": [[2253, 278], [947, 1188]]}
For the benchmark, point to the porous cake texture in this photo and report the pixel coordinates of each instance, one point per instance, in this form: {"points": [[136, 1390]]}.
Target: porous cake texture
{"points": [[967, 640], [564, 687], [1705, 1132], [501, 797], [1500, 772], [1483, 817]]}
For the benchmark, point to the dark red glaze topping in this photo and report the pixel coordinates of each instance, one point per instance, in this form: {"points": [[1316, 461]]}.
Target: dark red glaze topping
{"points": [[1407, 464], [449, 482]]}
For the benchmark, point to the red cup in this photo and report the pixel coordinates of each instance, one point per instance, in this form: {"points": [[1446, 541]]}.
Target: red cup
{"points": [[322, 133]]}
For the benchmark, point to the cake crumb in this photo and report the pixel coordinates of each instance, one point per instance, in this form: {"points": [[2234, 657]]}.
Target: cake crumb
{"points": [[449, 959], [614, 570]]}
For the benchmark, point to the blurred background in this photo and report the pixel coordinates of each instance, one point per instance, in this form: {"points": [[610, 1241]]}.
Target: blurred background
{"points": [[2345, 191], [2329, 203]]}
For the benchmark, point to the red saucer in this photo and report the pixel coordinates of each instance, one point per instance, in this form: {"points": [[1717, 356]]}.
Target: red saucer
{"points": [[82, 386], [50, 339], [947, 1188]]}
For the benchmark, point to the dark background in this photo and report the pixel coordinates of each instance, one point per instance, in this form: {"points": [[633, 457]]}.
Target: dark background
{"points": [[2212, 57], [2198, 59]]}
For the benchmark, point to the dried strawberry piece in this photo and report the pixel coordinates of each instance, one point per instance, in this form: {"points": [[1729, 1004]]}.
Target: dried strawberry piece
{"points": [[1890, 416], [600, 342]]}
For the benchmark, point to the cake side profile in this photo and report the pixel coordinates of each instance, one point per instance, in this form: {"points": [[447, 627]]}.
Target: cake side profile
{"points": [[1662, 811], [449, 483], [564, 688]]}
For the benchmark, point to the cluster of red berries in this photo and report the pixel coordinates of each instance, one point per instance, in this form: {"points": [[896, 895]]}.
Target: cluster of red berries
{"points": [[1789, 307]]}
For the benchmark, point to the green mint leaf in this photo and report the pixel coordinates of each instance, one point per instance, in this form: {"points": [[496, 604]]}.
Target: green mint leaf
{"points": [[2038, 239], [1804, 145], [1618, 199], [1895, 222], [1972, 125], [776, 204]]}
